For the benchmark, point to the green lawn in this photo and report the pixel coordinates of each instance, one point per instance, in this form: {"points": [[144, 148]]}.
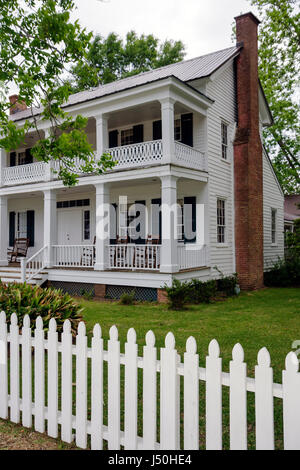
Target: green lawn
{"points": [[270, 318]]}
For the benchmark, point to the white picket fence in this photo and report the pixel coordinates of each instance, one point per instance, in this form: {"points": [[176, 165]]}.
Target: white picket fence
{"points": [[51, 360]]}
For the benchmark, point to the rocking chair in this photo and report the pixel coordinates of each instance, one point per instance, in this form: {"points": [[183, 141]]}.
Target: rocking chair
{"points": [[19, 250]]}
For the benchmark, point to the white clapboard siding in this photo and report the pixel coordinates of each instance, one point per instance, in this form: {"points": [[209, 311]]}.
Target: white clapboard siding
{"points": [[291, 402], [3, 368], [81, 387], [26, 374], [113, 390], [169, 395], [149, 392], [31, 348], [213, 397], [264, 402], [191, 396], [39, 376], [66, 383], [238, 400], [52, 379]]}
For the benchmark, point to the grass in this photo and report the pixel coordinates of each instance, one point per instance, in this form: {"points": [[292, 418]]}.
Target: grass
{"points": [[270, 318]]}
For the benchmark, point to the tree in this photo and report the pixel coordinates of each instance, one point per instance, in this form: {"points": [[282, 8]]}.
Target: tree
{"points": [[279, 67], [109, 59], [38, 43]]}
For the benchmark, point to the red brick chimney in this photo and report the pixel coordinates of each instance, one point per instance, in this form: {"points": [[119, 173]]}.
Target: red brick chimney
{"points": [[16, 106], [248, 159]]}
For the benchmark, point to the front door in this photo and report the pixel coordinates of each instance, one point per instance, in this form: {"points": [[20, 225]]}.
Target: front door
{"points": [[69, 227]]}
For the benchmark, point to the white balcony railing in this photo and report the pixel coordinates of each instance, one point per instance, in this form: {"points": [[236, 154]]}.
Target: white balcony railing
{"points": [[73, 256], [192, 256], [131, 257], [22, 174], [131, 156], [190, 157]]}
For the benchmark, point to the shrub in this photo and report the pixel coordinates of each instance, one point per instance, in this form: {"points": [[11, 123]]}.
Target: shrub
{"points": [[177, 294], [127, 298], [48, 303], [202, 292], [284, 273], [228, 284]]}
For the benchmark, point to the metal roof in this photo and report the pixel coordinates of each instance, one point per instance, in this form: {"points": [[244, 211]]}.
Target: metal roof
{"points": [[185, 71]]}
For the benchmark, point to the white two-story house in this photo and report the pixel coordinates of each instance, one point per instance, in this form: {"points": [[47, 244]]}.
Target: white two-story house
{"points": [[175, 135]]}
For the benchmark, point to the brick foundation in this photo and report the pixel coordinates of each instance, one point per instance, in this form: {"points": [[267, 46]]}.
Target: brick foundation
{"points": [[100, 291], [248, 160], [162, 297]]}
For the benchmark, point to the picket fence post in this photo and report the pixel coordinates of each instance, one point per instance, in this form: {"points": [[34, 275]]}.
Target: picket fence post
{"points": [[14, 369], [291, 402], [81, 387], [97, 390], [213, 397], [113, 390], [66, 383], [52, 380], [131, 387], [191, 396], [39, 376], [149, 392], [3, 368], [26, 373], [238, 400], [264, 402], [169, 395]]}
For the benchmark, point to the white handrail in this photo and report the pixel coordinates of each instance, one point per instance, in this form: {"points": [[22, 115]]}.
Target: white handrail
{"points": [[33, 265]]}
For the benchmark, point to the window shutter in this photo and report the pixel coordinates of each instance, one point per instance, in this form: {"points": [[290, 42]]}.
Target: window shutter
{"points": [[189, 218], [113, 139], [156, 218], [113, 223], [12, 228], [141, 227], [28, 156], [30, 227], [187, 129], [138, 134], [157, 130], [12, 159]]}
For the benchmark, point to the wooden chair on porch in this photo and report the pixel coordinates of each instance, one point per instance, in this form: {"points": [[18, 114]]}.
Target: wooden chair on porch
{"points": [[19, 250], [152, 253], [88, 255], [120, 256]]}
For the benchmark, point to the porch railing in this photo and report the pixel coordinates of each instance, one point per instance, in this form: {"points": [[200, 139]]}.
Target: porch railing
{"points": [[73, 256], [190, 157], [135, 155], [144, 257], [33, 266], [192, 256], [30, 173]]}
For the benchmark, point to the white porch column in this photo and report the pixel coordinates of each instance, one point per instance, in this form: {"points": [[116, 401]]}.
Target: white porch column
{"points": [[102, 226], [3, 231], [101, 135], [2, 164], [169, 251], [50, 224], [167, 118]]}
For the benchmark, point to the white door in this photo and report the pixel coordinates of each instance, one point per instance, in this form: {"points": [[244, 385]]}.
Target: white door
{"points": [[69, 227]]}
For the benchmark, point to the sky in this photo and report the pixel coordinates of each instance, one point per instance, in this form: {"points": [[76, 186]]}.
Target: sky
{"points": [[203, 25]]}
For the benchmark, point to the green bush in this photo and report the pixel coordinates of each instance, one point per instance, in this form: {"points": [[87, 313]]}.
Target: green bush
{"points": [[127, 298], [284, 273], [202, 292], [48, 303], [228, 285], [177, 294]]}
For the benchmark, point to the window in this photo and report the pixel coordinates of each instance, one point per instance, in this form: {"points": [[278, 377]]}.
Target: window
{"points": [[180, 220], [221, 222], [177, 130], [127, 137], [274, 217], [224, 133], [21, 226], [86, 225], [74, 203]]}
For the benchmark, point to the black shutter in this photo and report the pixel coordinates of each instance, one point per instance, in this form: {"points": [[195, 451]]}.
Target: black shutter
{"points": [[187, 129], [12, 228], [157, 130], [141, 228], [189, 218], [113, 139], [138, 134], [28, 156], [156, 213], [30, 227], [113, 224], [12, 159]]}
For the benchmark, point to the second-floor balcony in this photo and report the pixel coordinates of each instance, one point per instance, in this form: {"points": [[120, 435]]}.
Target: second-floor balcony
{"points": [[126, 157]]}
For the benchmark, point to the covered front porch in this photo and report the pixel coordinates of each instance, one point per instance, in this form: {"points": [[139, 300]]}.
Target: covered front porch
{"points": [[154, 224]]}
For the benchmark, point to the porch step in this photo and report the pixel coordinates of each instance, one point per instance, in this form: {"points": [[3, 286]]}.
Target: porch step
{"points": [[13, 275]]}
